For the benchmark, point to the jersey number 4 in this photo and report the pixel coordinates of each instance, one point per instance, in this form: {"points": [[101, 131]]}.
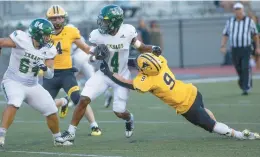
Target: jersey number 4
{"points": [[169, 80], [24, 67], [58, 47], [114, 62]]}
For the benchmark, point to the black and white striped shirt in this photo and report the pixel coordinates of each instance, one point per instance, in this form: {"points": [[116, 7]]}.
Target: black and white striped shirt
{"points": [[240, 32]]}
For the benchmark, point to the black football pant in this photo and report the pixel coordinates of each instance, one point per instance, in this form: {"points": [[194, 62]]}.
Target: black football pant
{"points": [[241, 62], [63, 79]]}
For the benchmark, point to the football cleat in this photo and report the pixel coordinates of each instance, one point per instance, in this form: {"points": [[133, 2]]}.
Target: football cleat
{"points": [[2, 141], [64, 109], [59, 141], [95, 131], [67, 136], [250, 135], [129, 126], [108, 101]]}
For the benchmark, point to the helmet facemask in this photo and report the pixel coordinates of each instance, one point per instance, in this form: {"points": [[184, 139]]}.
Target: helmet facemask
{"points": [[105, 26], [58, 21]]}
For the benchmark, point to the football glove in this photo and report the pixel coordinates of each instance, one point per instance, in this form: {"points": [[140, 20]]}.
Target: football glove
{"points": [[105, 69], [156, 50], [41, 65], [101, 52]]}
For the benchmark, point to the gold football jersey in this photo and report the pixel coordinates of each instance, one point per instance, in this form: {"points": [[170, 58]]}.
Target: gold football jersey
{"points": [[173, 92], [63, 42]]}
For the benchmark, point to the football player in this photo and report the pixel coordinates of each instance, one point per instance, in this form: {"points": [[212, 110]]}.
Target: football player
{"points": [[30, 52], [155, 77], [64, 76], [81, 62], [111, 34]]}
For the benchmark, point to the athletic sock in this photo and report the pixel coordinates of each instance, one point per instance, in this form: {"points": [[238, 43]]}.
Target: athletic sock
{"points": [[64, 101], [223, 129], [2, 131], [72, 129], [94, 124], [56, 135]]}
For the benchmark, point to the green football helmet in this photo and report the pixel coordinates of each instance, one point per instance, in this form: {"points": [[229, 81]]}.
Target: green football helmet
{"points": [[110, 19], [40, 30]]}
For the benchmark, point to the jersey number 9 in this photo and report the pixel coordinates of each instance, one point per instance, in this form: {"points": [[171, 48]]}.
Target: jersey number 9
{"points": [[169, 80]]}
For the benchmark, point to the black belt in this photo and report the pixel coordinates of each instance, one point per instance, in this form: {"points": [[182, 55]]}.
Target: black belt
{"points": [[73, 69], [242, 47]]}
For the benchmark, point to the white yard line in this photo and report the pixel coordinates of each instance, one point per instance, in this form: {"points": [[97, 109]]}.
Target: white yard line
{"points": [[217, 79], [137, 122], [57, 153]]}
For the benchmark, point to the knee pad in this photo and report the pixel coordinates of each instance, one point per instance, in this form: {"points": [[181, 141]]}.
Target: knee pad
{"points": [[75, 97]]}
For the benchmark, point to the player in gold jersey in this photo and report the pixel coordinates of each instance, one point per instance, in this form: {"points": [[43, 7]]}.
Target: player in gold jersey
{"points": [[156, 77], [64, 77]]}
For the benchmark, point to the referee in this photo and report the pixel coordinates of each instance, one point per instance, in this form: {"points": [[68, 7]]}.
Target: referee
{"points": [[240, 30]]}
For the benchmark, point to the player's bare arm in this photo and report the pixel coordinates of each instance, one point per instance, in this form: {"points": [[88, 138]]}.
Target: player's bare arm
{"points": [[142, 48], [7, 42], [82, 45]]}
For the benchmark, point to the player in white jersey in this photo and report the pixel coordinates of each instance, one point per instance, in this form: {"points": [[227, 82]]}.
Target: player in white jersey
{"points": [[81, 62], [31, 52], [111, 34]]}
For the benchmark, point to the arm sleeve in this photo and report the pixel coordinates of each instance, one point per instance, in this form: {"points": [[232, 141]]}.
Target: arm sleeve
{"points": [[123, 84], [142, 83], [226, 28]]}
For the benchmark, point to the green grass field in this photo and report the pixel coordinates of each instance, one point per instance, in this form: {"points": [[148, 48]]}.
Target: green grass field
{"points": [[159, 132]]}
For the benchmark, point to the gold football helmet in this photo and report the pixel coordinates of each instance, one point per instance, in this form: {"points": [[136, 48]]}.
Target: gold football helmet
{"points": [[57, 15], [149, 64]]}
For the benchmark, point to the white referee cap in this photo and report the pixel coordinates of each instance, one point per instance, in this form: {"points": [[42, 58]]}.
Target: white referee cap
{"points": [[238, 6]]}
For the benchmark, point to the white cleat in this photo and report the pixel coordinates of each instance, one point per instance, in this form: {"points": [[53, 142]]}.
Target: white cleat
{"points": [[67, 136], [250, 135], [129, 126], [2, 141], [60, 142]]}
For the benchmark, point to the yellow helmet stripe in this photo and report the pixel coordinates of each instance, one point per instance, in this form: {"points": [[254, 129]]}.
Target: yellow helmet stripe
{"points": [[145, 56], [153, 59]]}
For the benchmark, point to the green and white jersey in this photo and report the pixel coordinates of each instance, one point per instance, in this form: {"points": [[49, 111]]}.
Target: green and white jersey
{"points": [[119, 46], [22, 65]]}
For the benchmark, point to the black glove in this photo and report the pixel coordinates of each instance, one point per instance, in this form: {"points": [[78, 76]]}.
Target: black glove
{"points": [[156, 50], [101, 52], [41, 65], [105, 69]]}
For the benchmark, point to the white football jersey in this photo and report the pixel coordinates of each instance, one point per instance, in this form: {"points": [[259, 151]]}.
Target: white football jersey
{"points": [[119, 46], [22, 66]]}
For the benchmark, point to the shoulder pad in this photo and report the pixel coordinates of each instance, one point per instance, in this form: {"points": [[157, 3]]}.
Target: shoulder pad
{"points": [[51, 53], [20, 38], [130, 30], [94, 37]]}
